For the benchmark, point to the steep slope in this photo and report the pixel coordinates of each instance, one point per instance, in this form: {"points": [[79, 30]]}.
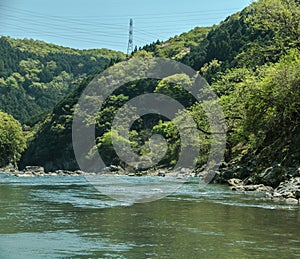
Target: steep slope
{"points": [[51, 144], [178, 46], [35, 75], [259, 34]]}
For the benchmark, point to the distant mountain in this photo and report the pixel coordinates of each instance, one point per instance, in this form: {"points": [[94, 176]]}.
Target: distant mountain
{"points": [[252, 60], [35, 75]]}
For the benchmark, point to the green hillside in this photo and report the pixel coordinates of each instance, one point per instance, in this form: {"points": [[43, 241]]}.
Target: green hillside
{"points": [[252, 61], [178, 46], [35, 75]]}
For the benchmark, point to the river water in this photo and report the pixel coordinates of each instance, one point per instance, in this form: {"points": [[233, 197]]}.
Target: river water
{"points": [[66, 217]]}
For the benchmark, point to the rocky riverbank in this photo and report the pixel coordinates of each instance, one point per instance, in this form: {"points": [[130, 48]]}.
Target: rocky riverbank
{"points": [[277, 182], [280, 184], [33, 171], [288, 191]]}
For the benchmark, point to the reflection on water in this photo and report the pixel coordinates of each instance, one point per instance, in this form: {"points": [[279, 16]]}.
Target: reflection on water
{"points": [[66, 217]]}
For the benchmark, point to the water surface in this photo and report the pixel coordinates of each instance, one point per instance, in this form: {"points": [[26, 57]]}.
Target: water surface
{"points": [[50, 217]]}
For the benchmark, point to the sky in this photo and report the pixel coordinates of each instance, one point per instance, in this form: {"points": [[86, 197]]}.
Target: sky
{"points": [[85, 24]]}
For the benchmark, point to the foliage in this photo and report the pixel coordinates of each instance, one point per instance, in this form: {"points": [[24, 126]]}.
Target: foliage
{"points": [[262, 107], [178, 91], [35, 75], [270, 100], [12, 140], [178, 46], [252, 62]]}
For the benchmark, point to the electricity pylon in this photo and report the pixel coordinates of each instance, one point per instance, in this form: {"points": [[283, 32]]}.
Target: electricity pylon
{"points": [[130, 41]]}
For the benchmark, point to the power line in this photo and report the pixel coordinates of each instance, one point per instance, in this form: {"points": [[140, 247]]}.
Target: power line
{"points": [[211, 11], [143, 17], [83, 29]]}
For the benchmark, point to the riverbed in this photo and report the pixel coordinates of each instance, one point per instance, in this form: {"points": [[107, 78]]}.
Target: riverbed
{"points": [[63, 217]]}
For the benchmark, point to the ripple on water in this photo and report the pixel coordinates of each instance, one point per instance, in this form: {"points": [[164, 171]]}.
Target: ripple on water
{"points": [[57, 244], [78, 191]]}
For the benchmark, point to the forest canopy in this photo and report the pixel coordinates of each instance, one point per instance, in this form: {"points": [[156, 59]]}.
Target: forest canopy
{"points": [[12, 140]]}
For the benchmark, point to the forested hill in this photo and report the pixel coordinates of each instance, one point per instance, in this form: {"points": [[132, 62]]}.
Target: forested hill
{"points": [[252, 61], [178, 46], [35, 75]]}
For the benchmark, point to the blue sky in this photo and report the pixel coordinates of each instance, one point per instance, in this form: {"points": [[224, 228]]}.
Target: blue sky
{"points": [[104, 24]]}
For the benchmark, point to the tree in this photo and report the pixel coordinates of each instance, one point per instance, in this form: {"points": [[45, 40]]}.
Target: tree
{"points": [[12, 140], [176, 90]]}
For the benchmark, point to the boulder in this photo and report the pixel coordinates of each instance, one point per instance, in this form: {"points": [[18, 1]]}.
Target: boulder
{"points": [[114, 168], [237, 188], [235, 182], [289, 188], [161, 173], [59, 172], [24, 175], [181, 173], [264, 188], [274, 175], [277, 195], [292, 201], [34, 169], [238, 185], [79, 172]]}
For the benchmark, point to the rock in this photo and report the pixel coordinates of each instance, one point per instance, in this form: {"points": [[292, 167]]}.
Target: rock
{"points": [[24, 175], [38, 173], [253, 187], [114, 168], [264, 188], [111, 170], [186, 173], [292, 201], [250, 180], [277, 195], [161, 173], [290, 188], [237, 188], [297, 194], [34, 169], [238, 185], [180, 173], [106, 170], [235, 182], [222, 176], [79, 172], [68, 172], [59, 172], [9, 169], [293, 172], [274, 175]]}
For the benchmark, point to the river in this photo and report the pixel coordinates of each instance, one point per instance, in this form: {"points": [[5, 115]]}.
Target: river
{"points": [[66, 217]]}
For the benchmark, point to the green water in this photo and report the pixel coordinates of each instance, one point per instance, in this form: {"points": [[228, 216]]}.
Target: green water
{"points": [[65, 217]]}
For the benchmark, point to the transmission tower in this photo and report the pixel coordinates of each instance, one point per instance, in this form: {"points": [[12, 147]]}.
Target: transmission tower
{"points": [[130, 41]]}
